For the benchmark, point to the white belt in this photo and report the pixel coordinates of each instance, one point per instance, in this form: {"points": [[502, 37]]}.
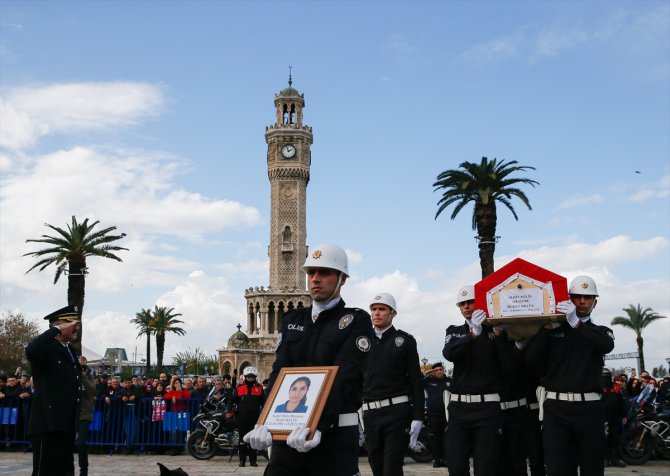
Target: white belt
{"points": [[513, 404], [534, 406], [385, 402], [574, 397], [489, 397], [348, 419]]}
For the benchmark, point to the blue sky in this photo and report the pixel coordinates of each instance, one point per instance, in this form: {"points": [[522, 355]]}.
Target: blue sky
{"points": [[150, 116]]}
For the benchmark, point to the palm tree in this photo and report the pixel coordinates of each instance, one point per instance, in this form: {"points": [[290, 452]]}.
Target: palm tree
{"points": [[71, 247], [164, 321], [144, 320], [637, 320], [484, 184]]}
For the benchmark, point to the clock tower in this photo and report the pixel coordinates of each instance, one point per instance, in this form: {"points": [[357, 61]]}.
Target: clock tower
{"points": [[288, 159]]}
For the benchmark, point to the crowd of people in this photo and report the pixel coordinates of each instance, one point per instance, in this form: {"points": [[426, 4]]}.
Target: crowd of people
{"points": [[544, 402]]}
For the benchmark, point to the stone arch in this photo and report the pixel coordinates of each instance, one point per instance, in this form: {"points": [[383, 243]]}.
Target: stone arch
{"points": [[272, 328], [280, 314], [227, 367], [257, 319], [250, 318]]}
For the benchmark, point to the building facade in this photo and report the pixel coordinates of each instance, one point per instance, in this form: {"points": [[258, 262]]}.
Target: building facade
{"points": [[288, 159]]}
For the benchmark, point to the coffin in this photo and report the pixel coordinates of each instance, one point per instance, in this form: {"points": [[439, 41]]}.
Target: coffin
{"points": [[521, 295]]}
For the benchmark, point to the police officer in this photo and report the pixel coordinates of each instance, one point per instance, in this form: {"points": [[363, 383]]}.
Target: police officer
{"points": [[569, 355], [249, 399], [435, 383], [54, 411], [472, 404], [326, 333], [392, 391]]}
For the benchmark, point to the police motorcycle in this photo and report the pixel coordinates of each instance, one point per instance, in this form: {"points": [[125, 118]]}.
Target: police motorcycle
{"points": [[646, 433], [215, 429]]}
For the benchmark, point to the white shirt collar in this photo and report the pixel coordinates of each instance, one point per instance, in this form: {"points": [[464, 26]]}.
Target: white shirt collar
{"points": [[319, 307]]}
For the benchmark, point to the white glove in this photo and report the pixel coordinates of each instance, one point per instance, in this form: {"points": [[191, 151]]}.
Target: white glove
{"points": [[259, 438], [476, 321], [298, 439], [570, 311], [521, 344], [414, 430]]}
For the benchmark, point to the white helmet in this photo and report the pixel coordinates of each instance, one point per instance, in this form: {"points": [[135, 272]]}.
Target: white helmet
{"points": [[466, 293], [384, 298], [251, 370], [583, 286], [327, 255]]}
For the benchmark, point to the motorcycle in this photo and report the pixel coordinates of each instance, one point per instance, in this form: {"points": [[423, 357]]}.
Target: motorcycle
{"points": [[648, 432], [216, 429]]}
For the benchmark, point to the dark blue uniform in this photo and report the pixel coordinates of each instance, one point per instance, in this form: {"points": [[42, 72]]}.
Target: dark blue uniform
{"points": [[437, 419], [340, 336], [570, 362], [392, 370], [475, 420], [54, 412]]}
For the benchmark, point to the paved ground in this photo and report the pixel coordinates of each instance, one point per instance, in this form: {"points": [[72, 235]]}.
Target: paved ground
{"points": [[20, 464]]}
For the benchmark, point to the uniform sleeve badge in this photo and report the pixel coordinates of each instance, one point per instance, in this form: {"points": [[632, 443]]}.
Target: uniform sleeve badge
{"points": [[363, 344], [447, 339], [399, 341], [279, 338], [345, 321], [611, 334]]}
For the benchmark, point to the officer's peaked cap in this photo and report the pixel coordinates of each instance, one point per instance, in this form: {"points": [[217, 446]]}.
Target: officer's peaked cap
{"points": [[68, 313]]}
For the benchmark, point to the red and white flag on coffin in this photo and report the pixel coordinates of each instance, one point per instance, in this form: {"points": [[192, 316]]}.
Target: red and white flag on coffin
{"points": [[527, 300]]}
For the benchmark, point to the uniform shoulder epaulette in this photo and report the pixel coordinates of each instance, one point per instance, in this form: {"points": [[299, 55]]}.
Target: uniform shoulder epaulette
{"points": [[405, 333]]}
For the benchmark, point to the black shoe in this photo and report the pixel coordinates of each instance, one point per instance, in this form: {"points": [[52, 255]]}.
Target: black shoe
{"points": [[253, 463], [242, 464], [618, 464], [439, 464]]}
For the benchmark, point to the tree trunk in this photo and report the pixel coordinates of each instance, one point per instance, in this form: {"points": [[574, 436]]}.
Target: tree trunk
{"points": [[148, 353], [640, 354], [485, 220], [76, 285], [160, 346]]}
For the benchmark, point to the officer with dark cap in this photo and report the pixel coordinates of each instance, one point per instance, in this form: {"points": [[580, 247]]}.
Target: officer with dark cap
{"points": [[435, 383], [393, 395], [323, 334], [54, 411]]}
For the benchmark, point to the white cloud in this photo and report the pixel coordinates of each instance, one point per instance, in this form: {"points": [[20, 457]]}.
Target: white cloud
{"points": [[400, 44], [29, 113], [580, 201], [638, 32], [660, 189], [132, 190], [354, 256], [498, 49]]}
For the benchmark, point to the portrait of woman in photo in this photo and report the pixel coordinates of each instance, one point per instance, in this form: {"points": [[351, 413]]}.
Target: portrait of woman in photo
{"points": [[297, 396]]}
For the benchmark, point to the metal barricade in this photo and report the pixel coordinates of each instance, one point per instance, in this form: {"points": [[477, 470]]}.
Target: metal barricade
{"points": [[144, 425]]}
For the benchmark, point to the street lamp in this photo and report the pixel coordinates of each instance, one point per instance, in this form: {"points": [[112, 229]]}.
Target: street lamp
{"points": [[424, 361]]}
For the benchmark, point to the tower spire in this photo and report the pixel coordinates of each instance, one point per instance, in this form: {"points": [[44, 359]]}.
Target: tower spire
{"points": [[290, 80]]}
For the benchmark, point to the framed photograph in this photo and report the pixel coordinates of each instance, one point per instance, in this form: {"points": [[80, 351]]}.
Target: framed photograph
{"points": [[297, 397]]}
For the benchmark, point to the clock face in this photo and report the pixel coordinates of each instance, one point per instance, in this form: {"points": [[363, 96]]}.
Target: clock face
{"points": [[288, 151]]}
